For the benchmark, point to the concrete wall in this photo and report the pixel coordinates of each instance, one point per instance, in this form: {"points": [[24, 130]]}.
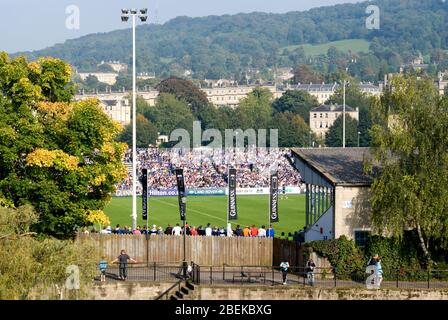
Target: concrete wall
{"points": [[352, 210], [295, 293], [326, 223], [128, 290]]}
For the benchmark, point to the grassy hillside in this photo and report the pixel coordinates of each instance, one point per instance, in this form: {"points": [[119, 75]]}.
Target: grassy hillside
{"points": [[346, 46]]}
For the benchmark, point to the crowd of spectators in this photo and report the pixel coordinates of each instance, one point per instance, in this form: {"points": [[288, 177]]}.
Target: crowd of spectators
{"points": [[176, 230], [208, 168]]}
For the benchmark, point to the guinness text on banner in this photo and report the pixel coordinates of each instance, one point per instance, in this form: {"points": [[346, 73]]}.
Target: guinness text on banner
{"points": [[273, 203], [181, 193], [145, 199], [232, 208]]}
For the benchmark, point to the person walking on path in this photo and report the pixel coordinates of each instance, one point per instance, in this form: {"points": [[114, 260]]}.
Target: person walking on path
{"points": [[123, 260], [310, 266], [103, 266], [378, 271], [284, 266]]}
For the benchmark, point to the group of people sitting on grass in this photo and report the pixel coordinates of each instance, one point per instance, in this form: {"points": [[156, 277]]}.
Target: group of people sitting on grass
{"points": [[177, 230]]}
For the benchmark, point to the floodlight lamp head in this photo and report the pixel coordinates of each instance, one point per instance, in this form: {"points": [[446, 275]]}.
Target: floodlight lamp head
{"points": [[125, 11], [124, 18], [144, 11], [143, 18], [133, 11]]}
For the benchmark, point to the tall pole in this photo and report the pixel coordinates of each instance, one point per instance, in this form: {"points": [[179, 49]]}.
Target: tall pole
{"points": [[134, 132], [343, 120]]}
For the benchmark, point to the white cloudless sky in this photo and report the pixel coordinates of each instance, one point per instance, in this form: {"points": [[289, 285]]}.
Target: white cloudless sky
{"points": [[36, 24]]}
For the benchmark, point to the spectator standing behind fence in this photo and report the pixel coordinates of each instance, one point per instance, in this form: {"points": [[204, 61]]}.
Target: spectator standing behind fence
{"points": [[246, 232], [310, 266], [123, 260], [378, 271], [176, 230], [270, 233], [284, 266], [103, 267], [254, 231], [238, 231], [168, 230], [208, 230], [262, 232]]}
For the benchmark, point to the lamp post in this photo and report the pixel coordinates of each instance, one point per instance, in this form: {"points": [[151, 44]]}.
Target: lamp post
{"points": [[143, 15], [343, 120], [359, 133]]}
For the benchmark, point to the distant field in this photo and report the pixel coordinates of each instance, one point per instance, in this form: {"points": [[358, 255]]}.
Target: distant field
{"points": [[353, 45], [212, 209]]}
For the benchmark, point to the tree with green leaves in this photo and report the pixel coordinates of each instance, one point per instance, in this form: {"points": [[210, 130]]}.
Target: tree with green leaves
{"points": [[255, 110], [296, 101], [292, 130], [59, 156], [169, 114], [334, 136], [305, 74], [409, 143], [35, 268], [355, 98], [195, 98], [147, 133]]}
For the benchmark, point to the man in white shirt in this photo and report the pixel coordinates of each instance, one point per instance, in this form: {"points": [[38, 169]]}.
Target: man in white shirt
{"points": [[262, 232], [176, 230], [208, 230]]}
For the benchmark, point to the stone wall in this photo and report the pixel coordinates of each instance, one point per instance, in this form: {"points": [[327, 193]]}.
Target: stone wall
{"points": [[128, 290], [294, 293]]}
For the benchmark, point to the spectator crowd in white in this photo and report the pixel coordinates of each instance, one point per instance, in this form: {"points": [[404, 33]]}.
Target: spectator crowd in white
{"points": [[207, 168]]}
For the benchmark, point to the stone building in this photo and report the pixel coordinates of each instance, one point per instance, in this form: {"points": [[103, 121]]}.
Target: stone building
{"points": [[323, 117], [337, 192]]}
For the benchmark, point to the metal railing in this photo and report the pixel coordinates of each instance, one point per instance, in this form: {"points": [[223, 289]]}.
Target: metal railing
{"points": [[271, 276]]}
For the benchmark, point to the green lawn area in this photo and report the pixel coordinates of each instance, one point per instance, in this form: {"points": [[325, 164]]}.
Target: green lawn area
{"points": [[353, 45], [211, 209]]}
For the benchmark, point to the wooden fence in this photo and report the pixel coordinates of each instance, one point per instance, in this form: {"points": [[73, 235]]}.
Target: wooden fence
{"points": [[285, 250], [206, 251]]}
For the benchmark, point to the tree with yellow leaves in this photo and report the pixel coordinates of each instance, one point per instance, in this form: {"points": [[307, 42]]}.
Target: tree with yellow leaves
{"points": [[60, 156]]}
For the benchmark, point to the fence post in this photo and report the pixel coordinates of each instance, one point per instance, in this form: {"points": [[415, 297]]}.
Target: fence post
{"points": [[223, 272], [211, 275], [335, 277], [398, 275], [303, 275], [429, 276], [154, 271]]}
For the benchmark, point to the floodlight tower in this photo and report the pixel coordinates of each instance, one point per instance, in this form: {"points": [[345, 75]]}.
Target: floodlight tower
{"points": [[125, 15]]}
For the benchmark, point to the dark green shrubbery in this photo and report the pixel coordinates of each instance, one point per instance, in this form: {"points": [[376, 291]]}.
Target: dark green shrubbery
{"points": [[401, 257]]}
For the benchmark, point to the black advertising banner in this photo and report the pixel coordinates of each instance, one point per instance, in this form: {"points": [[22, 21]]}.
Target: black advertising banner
{"points": [[232, 208], [273, 203], [144, 182], [181, 193]]}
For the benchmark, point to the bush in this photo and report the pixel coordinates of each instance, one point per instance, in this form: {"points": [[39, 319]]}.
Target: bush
{"points": [[342, 253]]}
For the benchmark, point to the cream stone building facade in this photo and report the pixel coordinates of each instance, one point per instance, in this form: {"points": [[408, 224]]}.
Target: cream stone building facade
{"points": [[323, 117], [109, 78], [337, 192]]}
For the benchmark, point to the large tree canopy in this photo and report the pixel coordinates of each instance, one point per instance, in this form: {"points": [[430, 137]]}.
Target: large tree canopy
{"points": [[296, 101], [334, 136], [409, 141], [61, 157]]}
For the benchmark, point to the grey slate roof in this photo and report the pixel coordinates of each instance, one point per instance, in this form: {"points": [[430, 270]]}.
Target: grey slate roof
{"points": [[327, 108], [340, 166]]}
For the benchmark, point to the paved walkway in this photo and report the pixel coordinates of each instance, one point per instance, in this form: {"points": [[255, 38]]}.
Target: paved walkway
{"points": [[211, 276]]}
